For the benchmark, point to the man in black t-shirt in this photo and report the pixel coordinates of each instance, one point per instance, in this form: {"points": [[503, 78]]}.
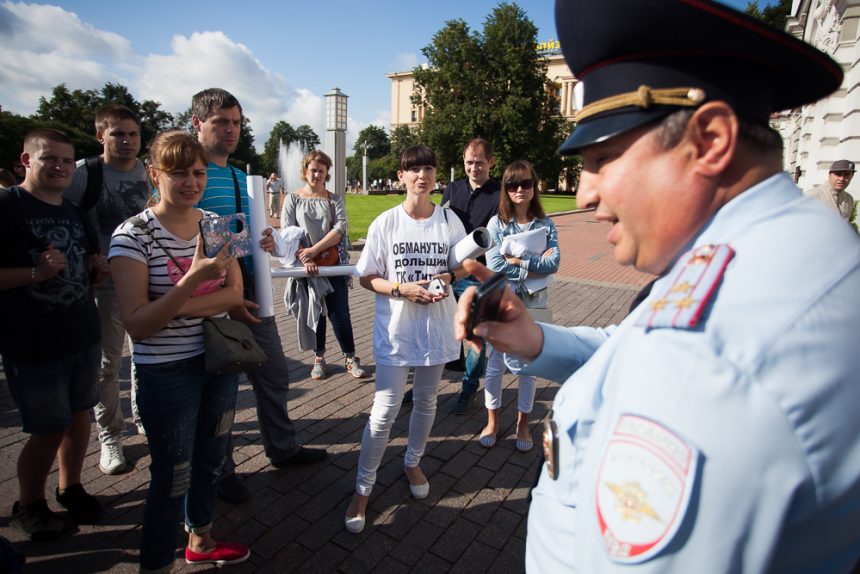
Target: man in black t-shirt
{"points": [[50, 344]]}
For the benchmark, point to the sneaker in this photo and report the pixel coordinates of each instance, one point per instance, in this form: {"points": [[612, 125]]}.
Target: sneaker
{"points": [[112, 460], [302, 456], [465, 402], [37, 521], [354, 368], [318, 372], [223, 553], [232, 489], [83, 508]]}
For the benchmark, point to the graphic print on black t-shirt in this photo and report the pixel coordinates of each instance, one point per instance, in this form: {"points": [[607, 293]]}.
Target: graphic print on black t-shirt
{"points": [[64, 231]]}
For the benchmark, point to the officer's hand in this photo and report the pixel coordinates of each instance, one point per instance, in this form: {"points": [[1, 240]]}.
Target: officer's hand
{"points": [[512, 332]]}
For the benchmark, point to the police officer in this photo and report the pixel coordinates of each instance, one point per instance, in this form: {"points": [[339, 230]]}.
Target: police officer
{"points": [[715, 428]]}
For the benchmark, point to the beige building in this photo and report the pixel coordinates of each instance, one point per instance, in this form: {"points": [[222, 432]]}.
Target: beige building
{"points": [[404, 112], [819, 134]]}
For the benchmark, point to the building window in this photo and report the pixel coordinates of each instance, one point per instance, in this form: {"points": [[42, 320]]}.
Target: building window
{"points": [[414, 116]]}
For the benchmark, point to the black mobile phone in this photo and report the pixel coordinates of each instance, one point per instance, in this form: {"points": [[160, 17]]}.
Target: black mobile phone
{"points": [[485, 305]]}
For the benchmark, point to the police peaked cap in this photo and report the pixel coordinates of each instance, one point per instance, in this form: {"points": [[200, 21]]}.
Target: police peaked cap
{"points": [[637, 61]]}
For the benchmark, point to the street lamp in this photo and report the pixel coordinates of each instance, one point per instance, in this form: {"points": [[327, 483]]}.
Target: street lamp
{"points": [[364, 169], [335, 137]]}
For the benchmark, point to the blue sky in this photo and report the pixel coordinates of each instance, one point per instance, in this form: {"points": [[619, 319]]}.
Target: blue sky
{"points": [[279, 58]]}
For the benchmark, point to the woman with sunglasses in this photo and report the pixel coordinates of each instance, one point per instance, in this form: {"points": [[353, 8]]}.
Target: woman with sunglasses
{"points": [[166, 286], [520, 211], [407, 247]]}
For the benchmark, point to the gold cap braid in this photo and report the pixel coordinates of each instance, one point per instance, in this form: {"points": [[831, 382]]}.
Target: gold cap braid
{"points": [[645, 97]]}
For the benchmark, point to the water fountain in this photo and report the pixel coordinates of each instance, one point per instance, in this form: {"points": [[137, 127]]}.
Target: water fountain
{"points": [[290, 165]]}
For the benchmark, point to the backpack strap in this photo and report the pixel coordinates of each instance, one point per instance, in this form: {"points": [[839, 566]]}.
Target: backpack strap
{"points": [[95, 178]]}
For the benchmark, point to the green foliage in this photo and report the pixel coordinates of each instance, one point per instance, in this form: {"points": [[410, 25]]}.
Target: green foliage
{"points": [[774, 14], [491, 85], [401, 138], [284, 132], [377, 141], [384, 167], [245, 152], [307, 137], [76, 109]]}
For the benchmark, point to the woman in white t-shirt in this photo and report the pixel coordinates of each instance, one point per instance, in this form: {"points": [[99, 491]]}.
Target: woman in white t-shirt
{"points": [[407, 247], [166, 286]]}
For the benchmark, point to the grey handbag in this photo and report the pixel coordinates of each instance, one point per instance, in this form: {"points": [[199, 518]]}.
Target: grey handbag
{"points": [[230, 346]]}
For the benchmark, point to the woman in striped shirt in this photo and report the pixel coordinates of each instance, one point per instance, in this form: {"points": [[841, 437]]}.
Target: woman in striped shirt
{"points": [[166, 286]]}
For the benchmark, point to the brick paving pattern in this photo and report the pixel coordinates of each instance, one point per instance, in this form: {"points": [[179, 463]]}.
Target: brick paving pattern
{"points": [[474, 519]]}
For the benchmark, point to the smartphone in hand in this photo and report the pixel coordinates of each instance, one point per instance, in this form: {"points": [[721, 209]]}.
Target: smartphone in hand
{"points": [[229, 230], [437, 287], [485, 305]]}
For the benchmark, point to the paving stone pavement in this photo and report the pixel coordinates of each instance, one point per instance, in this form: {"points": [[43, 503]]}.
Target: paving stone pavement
{"points": [[474, 519]]}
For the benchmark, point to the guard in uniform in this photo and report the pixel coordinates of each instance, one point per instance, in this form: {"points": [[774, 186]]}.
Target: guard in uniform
{"points": [[716, 428]]}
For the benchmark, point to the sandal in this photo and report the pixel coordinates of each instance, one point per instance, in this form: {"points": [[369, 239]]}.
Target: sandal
{"points": [[318, 372], [354, 368]]}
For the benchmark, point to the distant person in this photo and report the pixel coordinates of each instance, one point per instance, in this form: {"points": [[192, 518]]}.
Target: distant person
{"points": [[475, 199], [520, 211], [407, 246], [322, 215], [166, 286], [833, 194], [275, 189], [112, 187], [19, 170], [217, 119], [7, 178], [50, 335]]}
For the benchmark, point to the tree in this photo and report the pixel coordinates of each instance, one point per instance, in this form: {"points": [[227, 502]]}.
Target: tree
{"points": [[401, 138], [774, 14], [281, 132], [378, 144], [491, 85], [245, 153], [307, 137], [75, 109]]}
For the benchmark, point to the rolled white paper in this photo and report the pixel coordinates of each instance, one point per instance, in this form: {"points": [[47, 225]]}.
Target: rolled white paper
{"points": [[473, 245], [262, 267], [329, 271]]}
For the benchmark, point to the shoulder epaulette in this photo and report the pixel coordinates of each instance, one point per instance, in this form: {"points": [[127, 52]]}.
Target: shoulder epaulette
{"points": [[681, 305]]}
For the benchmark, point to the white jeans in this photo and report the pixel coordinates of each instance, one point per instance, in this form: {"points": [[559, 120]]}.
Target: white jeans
{"points": [[390, 387], [108, 412], [493, 384]]}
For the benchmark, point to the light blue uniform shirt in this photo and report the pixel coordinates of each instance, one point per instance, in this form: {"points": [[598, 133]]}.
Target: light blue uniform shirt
{"points": [[731, 446]]}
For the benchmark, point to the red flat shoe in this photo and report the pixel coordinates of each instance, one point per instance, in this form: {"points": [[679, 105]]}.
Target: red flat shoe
{"points": [[224, 553]]}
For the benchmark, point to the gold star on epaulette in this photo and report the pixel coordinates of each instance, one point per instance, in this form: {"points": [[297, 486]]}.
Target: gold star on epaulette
{"points": [[659, 304], [681, 287], [685, 302]]}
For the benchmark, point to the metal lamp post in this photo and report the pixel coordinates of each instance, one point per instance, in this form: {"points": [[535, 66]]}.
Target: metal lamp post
{"points": [[335, 137], [364, 169]]}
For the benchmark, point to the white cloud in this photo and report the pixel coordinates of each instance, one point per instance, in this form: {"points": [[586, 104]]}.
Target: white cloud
{"points": [[34, 57]]}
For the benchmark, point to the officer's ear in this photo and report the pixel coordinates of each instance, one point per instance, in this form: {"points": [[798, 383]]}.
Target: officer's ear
{"points": [[712, 133]]}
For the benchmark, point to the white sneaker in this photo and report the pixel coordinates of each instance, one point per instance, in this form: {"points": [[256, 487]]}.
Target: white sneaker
{"points": [[112, 460]]}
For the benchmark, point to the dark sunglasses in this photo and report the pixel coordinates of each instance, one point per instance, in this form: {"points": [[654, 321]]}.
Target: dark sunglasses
{"points": [[512, 186]]}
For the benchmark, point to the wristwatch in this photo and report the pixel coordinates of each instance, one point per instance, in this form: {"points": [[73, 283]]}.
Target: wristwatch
{"points": [[395, 291]]}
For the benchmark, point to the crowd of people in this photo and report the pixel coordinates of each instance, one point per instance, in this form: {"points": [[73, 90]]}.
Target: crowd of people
{"points": [[711, 430]]}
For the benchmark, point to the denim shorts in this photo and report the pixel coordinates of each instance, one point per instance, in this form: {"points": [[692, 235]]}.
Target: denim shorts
{"points": [[48, 393]]}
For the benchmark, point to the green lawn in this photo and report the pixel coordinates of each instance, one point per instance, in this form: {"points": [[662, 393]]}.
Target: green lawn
{"points": [[362, 209]]}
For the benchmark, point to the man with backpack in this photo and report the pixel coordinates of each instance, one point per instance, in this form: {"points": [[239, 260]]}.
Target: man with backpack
{"points": [[111, 188]]}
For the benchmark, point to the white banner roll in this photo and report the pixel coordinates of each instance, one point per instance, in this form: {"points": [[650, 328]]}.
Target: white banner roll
{"points": [[473, 245], [262, 266], [330, 271]]}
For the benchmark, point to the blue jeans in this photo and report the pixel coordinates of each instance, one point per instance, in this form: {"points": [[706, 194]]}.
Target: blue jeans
{"points": [[475, 362], [187, 414], [337, 304]]}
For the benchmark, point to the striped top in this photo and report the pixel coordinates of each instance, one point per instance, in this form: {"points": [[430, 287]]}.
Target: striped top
{"points": [[182, 337]]}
